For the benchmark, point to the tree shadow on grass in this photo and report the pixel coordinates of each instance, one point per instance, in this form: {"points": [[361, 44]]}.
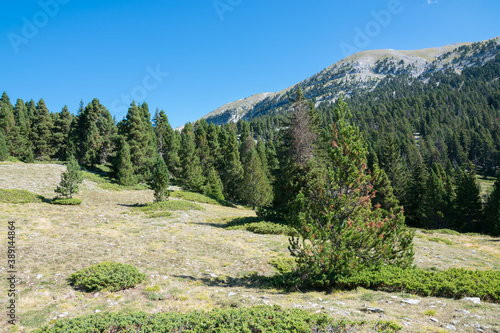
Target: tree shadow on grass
{"points": [[283, 282]]}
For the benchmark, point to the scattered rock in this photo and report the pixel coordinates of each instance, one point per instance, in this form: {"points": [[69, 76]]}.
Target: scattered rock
{"points": [[97, 311], [39, 276], [434, 320], [451, 327], [264, 297], [374, 310], [213, 275], [411, 301], [475, 300], [229, 294]]}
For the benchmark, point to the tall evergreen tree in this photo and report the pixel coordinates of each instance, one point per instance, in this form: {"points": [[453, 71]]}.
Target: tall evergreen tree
{"points": [[192, 174], [41, 131], [70, 179], [124, 169], [415, 195], [384, 196], [213, 187], [340, 232], [231, 170], [391, 163], [167, 142], [256, 189], [4, 151], [491, 222], [160, 180], [468, 207], [60, 136]]}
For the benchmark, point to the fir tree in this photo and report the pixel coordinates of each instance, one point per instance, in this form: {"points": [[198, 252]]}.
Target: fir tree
{"points": [[70, 179], [159, 182], [340, 232]]}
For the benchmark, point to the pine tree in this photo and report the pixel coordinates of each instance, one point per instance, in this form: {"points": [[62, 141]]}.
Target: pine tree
{"points": [[384, 196], [124, 169], [491, 224], [214, 187], [192, 177], [4, 151], [255, 188], [70, 179], [41, 131], [138, 133], [167, 142], [94, 133], [468, 207], [60, 136], [340, 232], [391, 163], [435, 203], [415, 194], [16, 143], [159, 182], [230, 167]]}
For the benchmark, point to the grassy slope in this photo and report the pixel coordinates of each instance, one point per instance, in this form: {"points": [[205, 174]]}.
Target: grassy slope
{"points": [[192, 262]]}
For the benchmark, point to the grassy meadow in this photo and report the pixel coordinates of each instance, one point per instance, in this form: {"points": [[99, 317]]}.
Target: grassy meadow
{"points": [[197, 257]]}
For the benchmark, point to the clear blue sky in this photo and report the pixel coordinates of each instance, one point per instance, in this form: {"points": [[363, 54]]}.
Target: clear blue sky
{"points": [[214, 52]]}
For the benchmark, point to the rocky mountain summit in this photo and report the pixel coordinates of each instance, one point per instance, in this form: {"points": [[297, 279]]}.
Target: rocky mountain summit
{"points": [[363, 71]]}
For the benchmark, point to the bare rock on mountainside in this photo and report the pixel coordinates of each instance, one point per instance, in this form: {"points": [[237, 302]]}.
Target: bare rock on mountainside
{"points": [[362, 71]]}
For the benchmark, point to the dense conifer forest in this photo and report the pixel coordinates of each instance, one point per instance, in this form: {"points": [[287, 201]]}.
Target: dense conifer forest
{"points": [[427, 142]]}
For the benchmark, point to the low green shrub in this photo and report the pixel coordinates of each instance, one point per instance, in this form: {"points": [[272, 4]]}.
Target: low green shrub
{"points": [[66, 201], [201, 198], [259, 226], [170, 205], [19, 196], [453, 283], [439, 231], [252, 319], [109, 276], [441, 240]]}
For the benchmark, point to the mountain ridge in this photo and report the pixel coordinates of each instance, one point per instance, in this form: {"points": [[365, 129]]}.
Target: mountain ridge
{"points": [[361, 71]]}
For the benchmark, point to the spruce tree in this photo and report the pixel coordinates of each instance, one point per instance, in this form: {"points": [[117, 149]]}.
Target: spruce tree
{"points": [[340, 232], [124, 169], [160, 179], [70, 179]]}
